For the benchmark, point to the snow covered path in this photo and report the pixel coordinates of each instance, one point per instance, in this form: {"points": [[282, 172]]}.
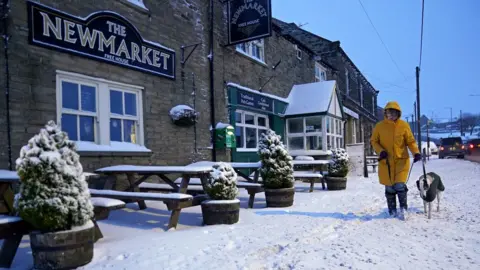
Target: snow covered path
{"points": [[323, 230]]}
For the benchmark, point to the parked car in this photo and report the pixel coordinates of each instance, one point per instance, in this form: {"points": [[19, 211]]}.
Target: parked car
{"points": [[451, 147], [472, 145], [432, 150]]}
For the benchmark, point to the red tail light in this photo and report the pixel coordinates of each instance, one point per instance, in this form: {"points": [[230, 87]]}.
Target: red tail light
{"points": [[441, 148], [471, 146], [463, 147]]}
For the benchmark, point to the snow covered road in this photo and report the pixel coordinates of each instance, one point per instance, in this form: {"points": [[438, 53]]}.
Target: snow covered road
{"points": [[323, 230]]}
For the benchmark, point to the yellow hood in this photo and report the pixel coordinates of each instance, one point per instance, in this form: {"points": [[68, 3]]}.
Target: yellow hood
{"points": [[393, 105]]}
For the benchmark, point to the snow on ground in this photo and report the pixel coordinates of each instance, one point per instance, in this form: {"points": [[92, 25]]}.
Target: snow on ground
{"points": [[323, 230]]}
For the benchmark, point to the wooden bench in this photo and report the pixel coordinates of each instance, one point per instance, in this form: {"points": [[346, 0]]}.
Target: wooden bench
{"points": [[252, 188], [374, 166], [157, 187], [13, 228], [311, 176], [174, 201]]}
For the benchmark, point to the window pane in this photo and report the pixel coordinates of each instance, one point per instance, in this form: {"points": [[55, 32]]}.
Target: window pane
{"points": [[70, 95], [239, 134], [314, 142], [313, 124], [88, 98], [249, 119], [87, 130], [332, 126], [251, 135], [116, 103], [262, 121], [130, 104], [295, 143], [238, 117], [260, 132], [115, 130], [338, 143], [295, 125], [69, 125], [129, 134], [329, 146]]}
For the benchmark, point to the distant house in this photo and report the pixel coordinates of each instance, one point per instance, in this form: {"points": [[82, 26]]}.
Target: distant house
{"points": [[379, 113]]}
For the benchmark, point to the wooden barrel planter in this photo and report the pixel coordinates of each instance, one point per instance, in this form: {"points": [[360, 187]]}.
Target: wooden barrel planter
{"points": [[336, 183], [282, 197], [64, 249], [217, 212]]}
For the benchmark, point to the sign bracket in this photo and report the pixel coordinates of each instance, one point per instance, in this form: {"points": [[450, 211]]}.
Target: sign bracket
{"points": [[184, 60]]}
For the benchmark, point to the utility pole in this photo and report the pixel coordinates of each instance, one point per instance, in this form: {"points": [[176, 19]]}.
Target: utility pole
{"points": [[415, 117], [418, 107], [461, 124], [428, 141]]}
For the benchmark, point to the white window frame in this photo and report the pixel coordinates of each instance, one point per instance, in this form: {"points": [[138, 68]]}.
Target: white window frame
{"points": [[298, 52], [305, 134], [102, 115], [320, 73], [255, 126], [335, 134], [247, 49]]}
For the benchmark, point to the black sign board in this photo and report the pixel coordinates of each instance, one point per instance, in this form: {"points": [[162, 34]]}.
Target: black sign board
{"points": [[249, 20], [104, 35], [253, 100]]}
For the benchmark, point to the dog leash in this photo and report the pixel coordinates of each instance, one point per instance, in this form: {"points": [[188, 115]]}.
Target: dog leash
{"points": [[411, 167]]}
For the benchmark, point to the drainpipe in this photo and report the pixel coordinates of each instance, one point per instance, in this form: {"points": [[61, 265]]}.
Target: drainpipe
{"points": [[212, 92], [5, 11]]}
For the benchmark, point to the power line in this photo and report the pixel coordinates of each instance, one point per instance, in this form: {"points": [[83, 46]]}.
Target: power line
{"points": [[384, 45], [421, 35]]}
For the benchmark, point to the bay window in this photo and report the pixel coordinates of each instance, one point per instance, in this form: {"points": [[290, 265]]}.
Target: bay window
{"points": [[249, 128], [314, 133], [95, 111]]}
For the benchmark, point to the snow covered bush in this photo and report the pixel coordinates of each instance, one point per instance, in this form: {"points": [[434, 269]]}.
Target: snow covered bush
{"points": [[53, 192], [222, 182], [277, 165], [183, 115], [339, 166]]}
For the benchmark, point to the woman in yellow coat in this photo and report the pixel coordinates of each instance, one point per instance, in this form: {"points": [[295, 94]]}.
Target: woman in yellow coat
{"points": [[391, 138]]}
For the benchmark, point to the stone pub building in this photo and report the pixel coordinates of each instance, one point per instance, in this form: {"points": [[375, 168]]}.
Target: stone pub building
{"points": [[111, 73]]}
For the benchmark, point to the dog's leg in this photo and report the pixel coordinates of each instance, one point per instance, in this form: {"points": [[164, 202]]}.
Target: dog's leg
{"points": [[438, 201], [425, 207], [429, 210]]}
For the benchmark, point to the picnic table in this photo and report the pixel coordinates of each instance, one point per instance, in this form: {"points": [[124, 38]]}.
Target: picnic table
{"points": [[237, 167], [372, 161], [175, 201]]}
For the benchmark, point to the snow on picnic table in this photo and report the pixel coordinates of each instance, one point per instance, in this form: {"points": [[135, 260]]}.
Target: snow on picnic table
{"points": [[346, 229]]}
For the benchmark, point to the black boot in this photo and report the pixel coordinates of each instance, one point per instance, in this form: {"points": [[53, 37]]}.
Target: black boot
{"points": [[391, 203], [402, 200]]}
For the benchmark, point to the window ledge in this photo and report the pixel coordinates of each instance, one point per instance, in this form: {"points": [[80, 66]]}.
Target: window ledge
{"points": [[87, 149], [251, 58], [246, 150], [138, 6]]}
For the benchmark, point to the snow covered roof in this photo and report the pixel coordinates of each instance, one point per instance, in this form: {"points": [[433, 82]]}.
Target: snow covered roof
{"points": [[257, 92], [310, 98]]}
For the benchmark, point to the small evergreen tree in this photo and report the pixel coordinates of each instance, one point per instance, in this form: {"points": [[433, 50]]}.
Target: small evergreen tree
{"points": [[53, 195], [222, 182], [277, 166], [339, 165]]}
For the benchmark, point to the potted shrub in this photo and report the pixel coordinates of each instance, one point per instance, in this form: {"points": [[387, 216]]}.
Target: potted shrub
{"points": [[54, 199], [276, 171], [223, 207], [338, 170]]}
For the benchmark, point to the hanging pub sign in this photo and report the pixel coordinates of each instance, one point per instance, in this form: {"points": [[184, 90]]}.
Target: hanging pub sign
{"points": [[255, 101], [249, 20], [104, 35]]}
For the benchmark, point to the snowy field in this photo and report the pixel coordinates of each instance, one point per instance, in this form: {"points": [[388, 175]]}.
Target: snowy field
{"points": [[323, 230]]}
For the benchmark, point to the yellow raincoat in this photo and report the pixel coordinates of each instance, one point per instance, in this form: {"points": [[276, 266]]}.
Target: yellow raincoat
{"points": [[393, 137]]}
